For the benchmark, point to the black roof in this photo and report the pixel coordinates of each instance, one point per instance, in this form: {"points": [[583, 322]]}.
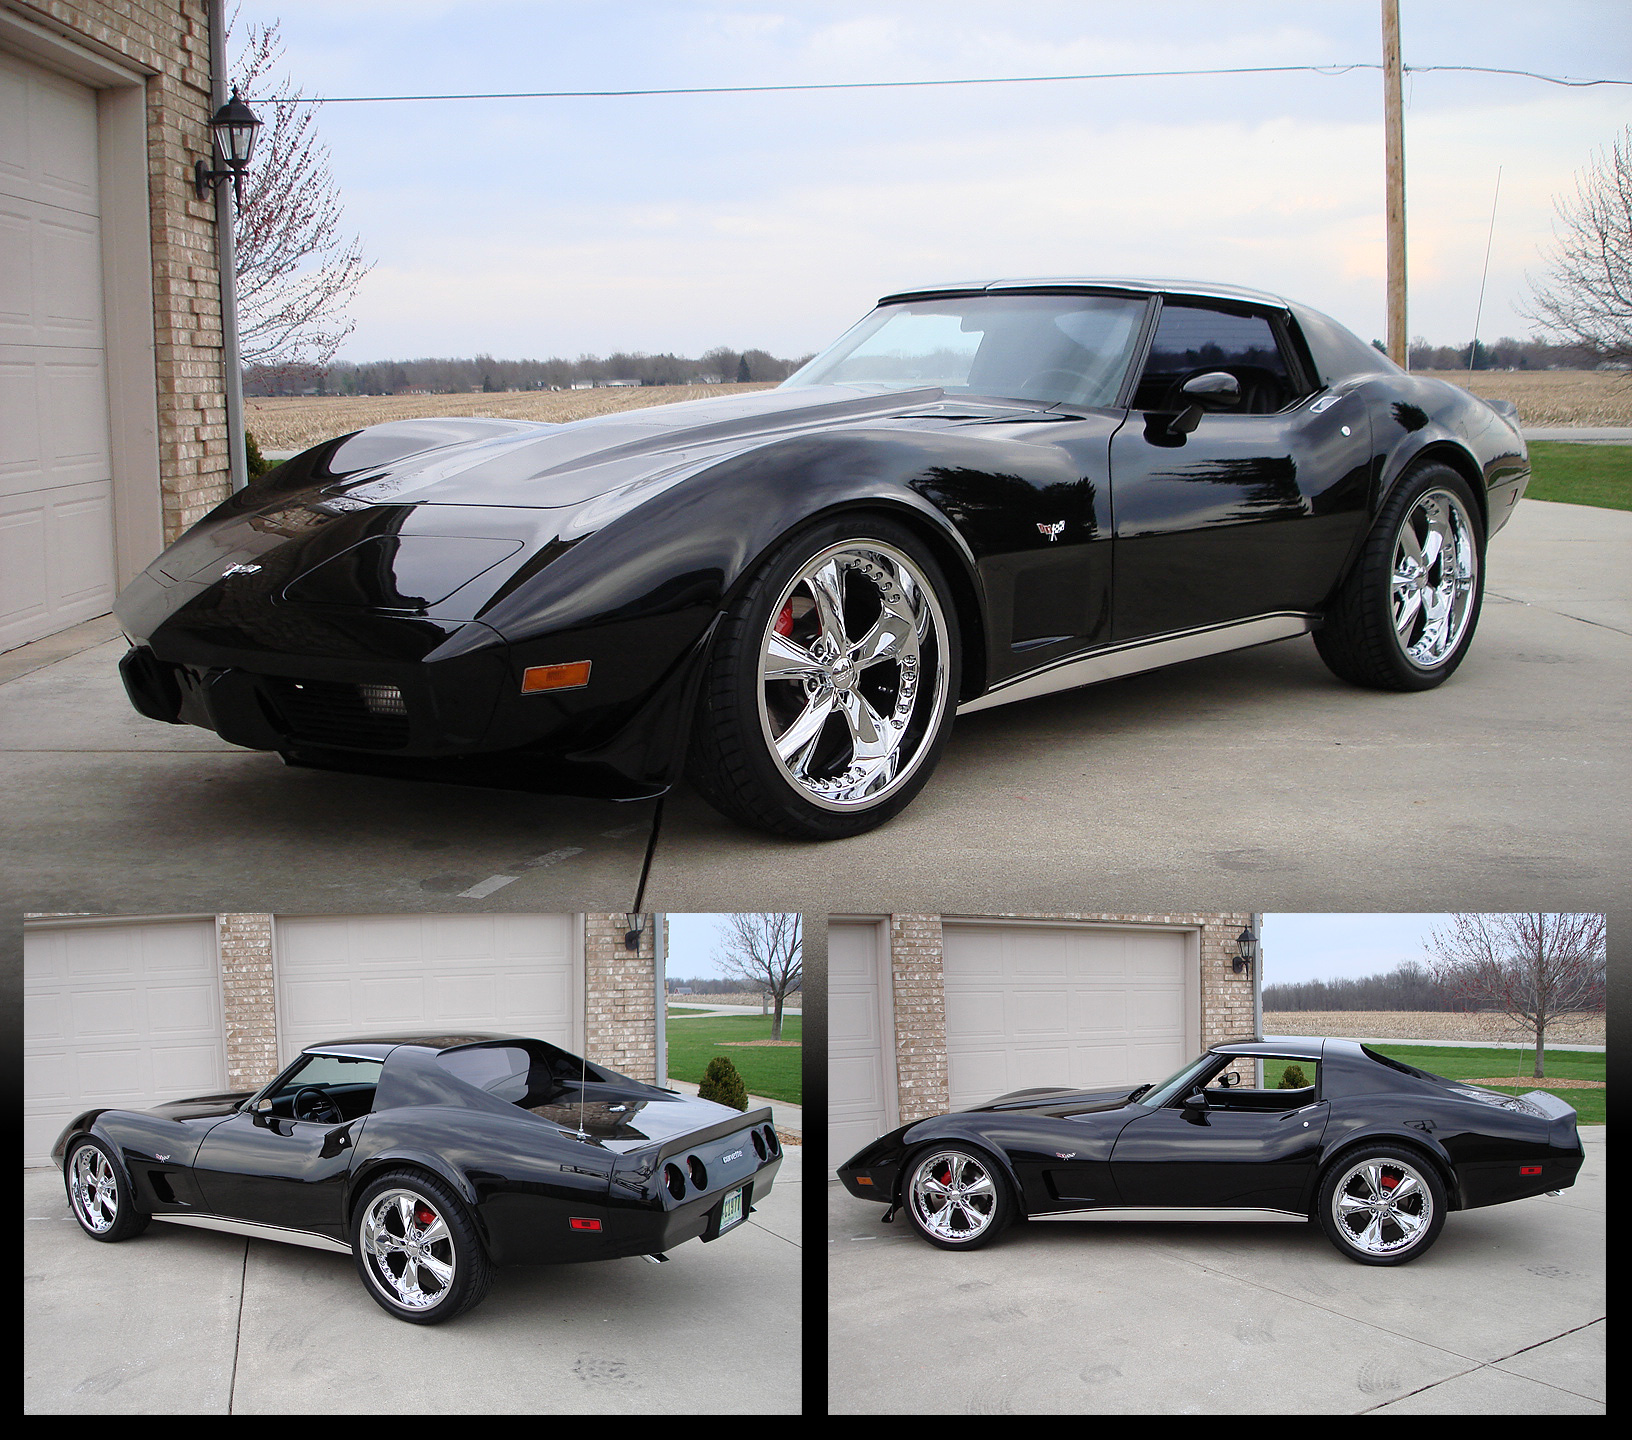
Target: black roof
{"points": [[377, 1047]]}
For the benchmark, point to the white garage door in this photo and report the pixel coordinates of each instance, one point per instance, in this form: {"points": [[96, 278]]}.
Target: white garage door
{"points": [[56, 507], [342, 976], [861, 1098], [1030, 1005], [124, 1015]]}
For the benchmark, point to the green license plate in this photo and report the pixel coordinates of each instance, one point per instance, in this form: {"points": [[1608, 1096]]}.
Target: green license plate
{"points": [[730, 1211]]}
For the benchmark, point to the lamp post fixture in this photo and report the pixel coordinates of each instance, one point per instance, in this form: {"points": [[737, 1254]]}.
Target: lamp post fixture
{"points": [[634, 924], [1246, 951], [235, 127]]}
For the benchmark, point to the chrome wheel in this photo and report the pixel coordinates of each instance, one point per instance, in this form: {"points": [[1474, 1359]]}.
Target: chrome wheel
{"points": [[407, 1249], [1383, 1206], [1434, 578], [95, 1189], [853, 677], [953, 1196]]}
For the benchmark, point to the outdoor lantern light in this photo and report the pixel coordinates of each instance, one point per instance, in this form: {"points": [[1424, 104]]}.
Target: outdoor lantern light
{"points": [[1246, 947], [631, 938], [235, 127]]}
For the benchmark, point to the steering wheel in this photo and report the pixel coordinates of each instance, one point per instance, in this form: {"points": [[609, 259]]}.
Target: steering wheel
{"points": [[321, 1108]]}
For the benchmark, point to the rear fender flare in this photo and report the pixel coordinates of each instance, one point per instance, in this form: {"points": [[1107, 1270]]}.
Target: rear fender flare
{"points": [[1423, 1143]]}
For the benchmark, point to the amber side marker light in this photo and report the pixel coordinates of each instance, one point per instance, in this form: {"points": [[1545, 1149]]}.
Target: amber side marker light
{"points": [[573, 676], [864, 1179]]}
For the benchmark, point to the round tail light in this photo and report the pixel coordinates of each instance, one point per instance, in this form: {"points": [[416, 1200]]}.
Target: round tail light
{"points": [[759, 1143], [675, 1181], [699, 1176], [772, 1146]]}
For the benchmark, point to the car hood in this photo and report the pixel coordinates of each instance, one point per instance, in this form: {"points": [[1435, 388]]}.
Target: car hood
{"points": [[201, 1107], [528, 464], [1059, 1099]]}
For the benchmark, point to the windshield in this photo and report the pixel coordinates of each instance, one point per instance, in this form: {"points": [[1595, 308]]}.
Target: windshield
{"points": [[1184, 1082], [1057, 349]]}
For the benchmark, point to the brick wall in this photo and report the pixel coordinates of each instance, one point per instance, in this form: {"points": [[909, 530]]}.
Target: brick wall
{"points": [[620, 997], [916, 969], [170, 40], [248, 1001], [920, 1015]]}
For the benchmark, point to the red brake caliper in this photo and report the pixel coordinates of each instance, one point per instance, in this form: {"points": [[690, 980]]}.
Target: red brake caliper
{"points": [[1390, 1181], [784, 621], [424, 1215]]}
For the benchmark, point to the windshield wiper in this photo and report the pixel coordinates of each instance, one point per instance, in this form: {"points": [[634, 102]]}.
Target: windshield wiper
{"points": [[1137, 1093]]}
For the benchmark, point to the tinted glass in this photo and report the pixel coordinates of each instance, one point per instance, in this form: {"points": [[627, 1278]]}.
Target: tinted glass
{"points": [[1057, 349], [1193, 341], [328, 1071]]}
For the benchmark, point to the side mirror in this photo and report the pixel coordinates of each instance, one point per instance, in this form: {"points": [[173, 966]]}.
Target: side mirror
{"points": [[1216, 390], [1227, 1079], [1193, 1102]]}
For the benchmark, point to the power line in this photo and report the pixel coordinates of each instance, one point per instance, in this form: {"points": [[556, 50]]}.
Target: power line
{"points": [[1330, 70]]}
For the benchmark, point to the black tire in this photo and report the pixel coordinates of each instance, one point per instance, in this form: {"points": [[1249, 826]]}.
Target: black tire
{"points": [[1406, 1227], [1362, 640], [891, 592], [104, 1192], [420, 1298], [957, 1196]]}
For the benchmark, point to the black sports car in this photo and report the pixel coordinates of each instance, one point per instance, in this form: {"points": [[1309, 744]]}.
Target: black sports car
{"points": [[981, 493], [1379, 1152], [430, 1159]]}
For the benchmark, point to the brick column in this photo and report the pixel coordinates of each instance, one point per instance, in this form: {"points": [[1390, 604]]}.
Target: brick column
{"points": [[920, 1015], [1226, 998], [248, 999], [620, 997]]}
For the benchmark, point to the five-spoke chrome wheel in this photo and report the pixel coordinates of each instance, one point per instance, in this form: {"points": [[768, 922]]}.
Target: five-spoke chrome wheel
{"points": [[852, 674], [1434, 578], [408, 1252], [95, 1190], [1384, 1205], [955, 1199]]}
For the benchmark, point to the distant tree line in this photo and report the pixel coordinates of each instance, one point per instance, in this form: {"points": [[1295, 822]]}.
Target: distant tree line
{"points": [[712, 986], [484, 373], [1504, 354], [1408, 986]]}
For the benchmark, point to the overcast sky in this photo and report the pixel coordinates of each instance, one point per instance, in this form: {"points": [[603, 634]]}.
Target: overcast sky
{"points": [[1328, 947], [693, 938], [540, 227]]}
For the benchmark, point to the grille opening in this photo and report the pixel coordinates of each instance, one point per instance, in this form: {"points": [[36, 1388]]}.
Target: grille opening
{"points": [[329, 712]]}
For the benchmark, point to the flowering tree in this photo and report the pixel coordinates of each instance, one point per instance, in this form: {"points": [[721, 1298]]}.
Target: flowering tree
{"points": [[1532, 968], [766, 952], [296, 274]]}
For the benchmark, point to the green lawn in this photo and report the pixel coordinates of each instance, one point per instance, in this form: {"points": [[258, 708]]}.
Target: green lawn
{"points": [[685, 1010], [771, 1070], [1471, 1063], [1581, 474]]}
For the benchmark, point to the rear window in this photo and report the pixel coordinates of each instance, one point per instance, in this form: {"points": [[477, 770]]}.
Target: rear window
{"points": [[525, 1075], [1401, 1066]]}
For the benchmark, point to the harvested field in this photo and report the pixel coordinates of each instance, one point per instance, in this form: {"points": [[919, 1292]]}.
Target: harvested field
{"points": [[1552, 397], [1577, 1029], [751, 998], [294, 422]]}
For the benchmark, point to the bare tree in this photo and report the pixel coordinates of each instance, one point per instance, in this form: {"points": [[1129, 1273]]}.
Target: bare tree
{"points": [[296, 273], [1587, 295], [765, 951], [1532, 968]]}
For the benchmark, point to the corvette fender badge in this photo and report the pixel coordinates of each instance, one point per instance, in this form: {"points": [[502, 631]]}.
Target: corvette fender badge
{"points": [[1052, 531], [1065, 1154]]}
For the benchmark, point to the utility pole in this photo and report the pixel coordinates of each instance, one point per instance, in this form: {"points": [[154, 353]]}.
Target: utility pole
{"points": [[1394, 136]]}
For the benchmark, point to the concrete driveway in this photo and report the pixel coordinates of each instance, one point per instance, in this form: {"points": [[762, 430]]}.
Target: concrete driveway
{"points": [[1250, 781], [1505, 1315], [182, 1321]]}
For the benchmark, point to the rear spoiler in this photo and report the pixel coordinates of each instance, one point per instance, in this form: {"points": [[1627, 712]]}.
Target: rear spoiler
{"points": [[693, 1138], [1506, 409], [1549, 1104]]}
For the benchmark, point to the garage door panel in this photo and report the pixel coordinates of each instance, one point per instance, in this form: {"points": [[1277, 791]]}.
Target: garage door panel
{"points": [[45, 1017], [116, 1076], [107, 1014], [48, 1077], [185, 1069], [179, 1009], [1021, 1000], [476, 972], [860, 1072], [853, 1016]]}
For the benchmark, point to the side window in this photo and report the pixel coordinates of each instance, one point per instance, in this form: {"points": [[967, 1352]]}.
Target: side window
{"points": [[350, 1083], [1191, 341]]}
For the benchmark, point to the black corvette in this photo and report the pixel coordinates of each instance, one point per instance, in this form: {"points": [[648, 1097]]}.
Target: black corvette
{"points": [[430, 1159], [980, 494], [1377, 1151]]}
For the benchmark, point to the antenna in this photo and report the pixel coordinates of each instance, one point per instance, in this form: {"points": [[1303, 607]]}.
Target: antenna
{"points": [[1473, 349], [583, 1083]]}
